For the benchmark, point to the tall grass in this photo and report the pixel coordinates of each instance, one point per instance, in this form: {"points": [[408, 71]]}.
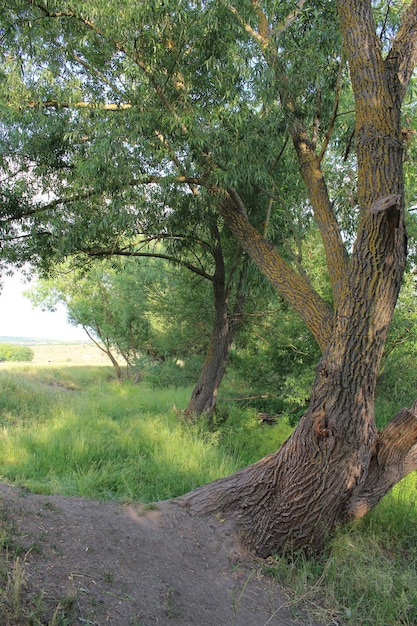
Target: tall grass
{"points": [[367, 575], [75, 431], [93, 437]]}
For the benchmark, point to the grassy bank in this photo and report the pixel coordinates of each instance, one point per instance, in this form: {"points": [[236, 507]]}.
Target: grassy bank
{"points": [[75, 431]]}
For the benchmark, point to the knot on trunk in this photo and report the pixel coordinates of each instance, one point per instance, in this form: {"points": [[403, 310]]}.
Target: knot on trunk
{"points": [[390, 206]]}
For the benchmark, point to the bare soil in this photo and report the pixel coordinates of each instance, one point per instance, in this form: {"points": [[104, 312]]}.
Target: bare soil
{"points": [[128, 565]]}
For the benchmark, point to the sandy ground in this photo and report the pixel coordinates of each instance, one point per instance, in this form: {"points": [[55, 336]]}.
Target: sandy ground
{"points": [[124, 565]]}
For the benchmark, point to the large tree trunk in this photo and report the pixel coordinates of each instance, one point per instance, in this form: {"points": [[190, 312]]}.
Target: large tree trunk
{"points": [[294, 498], [336, 465]]}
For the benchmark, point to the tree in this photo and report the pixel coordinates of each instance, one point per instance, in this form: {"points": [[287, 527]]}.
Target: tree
{"points": [[10, 352], [336, 465], [214, 258], [110, 305], [197, 103]]}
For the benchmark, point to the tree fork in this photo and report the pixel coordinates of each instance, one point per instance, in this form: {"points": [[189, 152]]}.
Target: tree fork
{"points": [[325, 473]]}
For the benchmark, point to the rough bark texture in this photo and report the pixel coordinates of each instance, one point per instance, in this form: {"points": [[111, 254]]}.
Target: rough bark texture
{"points": [[204, 395], [336, 465]]}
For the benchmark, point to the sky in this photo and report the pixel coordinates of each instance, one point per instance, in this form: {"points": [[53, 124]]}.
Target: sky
{"points": [[19, 319]]}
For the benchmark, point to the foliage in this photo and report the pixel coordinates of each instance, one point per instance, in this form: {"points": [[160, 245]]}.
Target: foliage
{"points": [[140, 308], [11, 352], [192, 114], [109, 304], [177, 116]]}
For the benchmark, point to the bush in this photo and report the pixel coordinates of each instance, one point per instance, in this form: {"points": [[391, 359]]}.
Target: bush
{"points": [[10, 352]]}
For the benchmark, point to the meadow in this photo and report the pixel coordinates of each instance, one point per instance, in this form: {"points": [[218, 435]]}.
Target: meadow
{"points": [[73, 430]]}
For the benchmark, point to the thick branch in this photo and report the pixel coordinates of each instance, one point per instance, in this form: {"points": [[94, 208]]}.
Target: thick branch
{"points": [[336, 256], [295, 288], [402, 57], [395, 456], [358, 26]]}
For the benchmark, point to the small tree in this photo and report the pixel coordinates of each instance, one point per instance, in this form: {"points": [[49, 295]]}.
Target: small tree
{"points": [[11, 352], [110, 305]]}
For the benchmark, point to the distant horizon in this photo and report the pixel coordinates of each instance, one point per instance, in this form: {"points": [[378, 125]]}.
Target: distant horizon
{"points": [[18, 318], [24, 339]]}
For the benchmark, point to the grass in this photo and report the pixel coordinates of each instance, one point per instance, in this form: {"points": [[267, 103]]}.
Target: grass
{"points": [[96, 438], [368, 574], [75, 431]]}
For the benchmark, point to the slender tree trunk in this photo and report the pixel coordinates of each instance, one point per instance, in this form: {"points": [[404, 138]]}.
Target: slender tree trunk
{"points": [[115, 364], [336, 465], [106, 349], [204, 396]]}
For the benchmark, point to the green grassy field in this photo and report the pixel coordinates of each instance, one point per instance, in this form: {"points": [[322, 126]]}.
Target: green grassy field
{"points": [[75, 431]]}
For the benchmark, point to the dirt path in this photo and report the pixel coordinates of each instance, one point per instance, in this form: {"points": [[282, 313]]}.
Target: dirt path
{"points": [[123, 565]]}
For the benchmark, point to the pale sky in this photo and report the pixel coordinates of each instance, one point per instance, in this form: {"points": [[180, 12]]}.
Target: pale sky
{"points": [[19, 319]]}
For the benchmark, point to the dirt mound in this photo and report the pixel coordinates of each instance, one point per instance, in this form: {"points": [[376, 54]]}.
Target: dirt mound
{"points": [[127, 565]]}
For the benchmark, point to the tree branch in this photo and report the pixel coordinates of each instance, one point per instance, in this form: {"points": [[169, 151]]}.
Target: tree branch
{"points": [[336, 255], [402, 57], [395, 456], [334, 113], [156, 255], [147, 180], [54, 104], [296, 289], [358, 25], [309, 163]]}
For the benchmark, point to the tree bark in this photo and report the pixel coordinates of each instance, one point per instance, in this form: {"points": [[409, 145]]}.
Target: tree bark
{"points": [[204, 396], [336, 465]]}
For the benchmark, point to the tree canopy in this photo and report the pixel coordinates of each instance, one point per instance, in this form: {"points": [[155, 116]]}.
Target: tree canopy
{"points": [[276, 119]]}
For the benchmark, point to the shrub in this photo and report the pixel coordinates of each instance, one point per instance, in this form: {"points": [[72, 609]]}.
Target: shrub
{"points": [[10, 352]]}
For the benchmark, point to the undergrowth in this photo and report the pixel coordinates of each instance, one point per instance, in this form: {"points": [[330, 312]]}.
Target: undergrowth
{"points": [[76, 431]]}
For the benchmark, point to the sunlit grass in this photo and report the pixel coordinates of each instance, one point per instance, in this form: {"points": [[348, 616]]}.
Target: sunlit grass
{"points": [[76, 431], [100, 439]]}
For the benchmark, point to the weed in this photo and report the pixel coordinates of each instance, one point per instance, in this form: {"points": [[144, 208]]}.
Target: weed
{"points": [[108, 577], [237, 596], [170, 610], [15, 586]]}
